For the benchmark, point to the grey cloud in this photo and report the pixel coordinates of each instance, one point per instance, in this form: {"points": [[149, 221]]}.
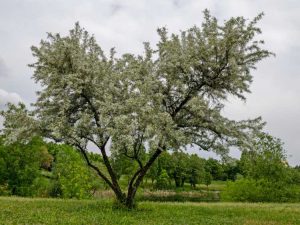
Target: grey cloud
{"points": [[3, 68], [176, 3], [115, 8], [7, 97]]}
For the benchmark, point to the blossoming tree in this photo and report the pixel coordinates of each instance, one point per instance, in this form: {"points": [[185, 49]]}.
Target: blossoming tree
{"points": [[167, 98]]}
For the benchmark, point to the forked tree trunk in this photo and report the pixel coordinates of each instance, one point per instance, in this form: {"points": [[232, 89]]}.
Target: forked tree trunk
{"points": [[138, 178], [122, 198]]}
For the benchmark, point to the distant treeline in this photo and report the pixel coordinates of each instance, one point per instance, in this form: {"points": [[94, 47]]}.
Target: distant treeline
{"points": [[44, 169]]}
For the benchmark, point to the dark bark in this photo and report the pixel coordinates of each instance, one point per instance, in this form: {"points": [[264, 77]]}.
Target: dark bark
{"points": [[113, 176], [116, 188], [177, 181], [138, 178], [134, 183], [182, 182]]}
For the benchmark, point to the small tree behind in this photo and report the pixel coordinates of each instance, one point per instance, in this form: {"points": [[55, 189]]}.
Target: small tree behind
{"points": [[267, 160], [196, 170], [267, 176]]}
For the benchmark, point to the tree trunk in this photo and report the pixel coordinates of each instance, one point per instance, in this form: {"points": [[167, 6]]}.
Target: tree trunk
{"points": [[182, 182], [138, 178], [177, 182]]}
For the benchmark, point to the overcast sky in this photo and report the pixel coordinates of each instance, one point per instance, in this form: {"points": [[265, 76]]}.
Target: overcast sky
{"points": [[126, 24]]}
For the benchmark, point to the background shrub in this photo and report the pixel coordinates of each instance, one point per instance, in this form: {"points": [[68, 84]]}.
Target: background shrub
{"points": [[250, 190], [163, 180], [72, 178]]}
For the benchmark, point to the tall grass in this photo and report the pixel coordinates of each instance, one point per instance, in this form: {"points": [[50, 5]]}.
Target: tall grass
{"points": [[61, 211]]}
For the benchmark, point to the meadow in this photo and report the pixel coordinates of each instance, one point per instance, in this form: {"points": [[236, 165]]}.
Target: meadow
{"points": [[16, 210]]}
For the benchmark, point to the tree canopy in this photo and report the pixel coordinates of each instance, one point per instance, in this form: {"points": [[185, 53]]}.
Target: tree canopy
{"points": [[169, 97]]}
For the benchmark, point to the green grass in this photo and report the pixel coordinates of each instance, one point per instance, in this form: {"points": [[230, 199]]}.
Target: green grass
{"points": [[214, 186], [57, 211]]}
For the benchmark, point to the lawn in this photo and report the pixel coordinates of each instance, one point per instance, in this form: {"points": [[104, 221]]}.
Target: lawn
{"points": [[57, 211]]}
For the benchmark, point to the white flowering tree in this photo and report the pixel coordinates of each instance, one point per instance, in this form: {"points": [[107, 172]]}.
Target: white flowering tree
{"points": [[166, 99]]}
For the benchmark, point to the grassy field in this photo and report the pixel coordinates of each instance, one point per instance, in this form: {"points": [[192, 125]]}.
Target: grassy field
{"points": [[56, 211], [214, 186]]}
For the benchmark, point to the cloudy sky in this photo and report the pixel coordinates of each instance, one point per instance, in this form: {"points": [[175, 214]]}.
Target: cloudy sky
{"points": [[126, 24]]}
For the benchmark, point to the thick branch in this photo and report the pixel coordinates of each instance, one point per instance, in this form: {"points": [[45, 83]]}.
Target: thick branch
{"points": [[102, 147], [195, 90], [83, 152], [107, 164], [94, 110], [184, 101], [130, 185]]}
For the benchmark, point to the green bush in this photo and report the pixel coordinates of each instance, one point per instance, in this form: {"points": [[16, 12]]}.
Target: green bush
{"points": [[72, 178], [4, 191], [20, 166], [250, 190], [163, 180], [41, 187]]}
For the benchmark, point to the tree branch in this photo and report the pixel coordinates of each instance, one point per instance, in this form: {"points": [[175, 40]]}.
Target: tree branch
{"points": [[102, 147], [83, 152]]}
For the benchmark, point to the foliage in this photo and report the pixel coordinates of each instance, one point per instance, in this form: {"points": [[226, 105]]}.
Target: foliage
{"points": [[195, 170], [232, 169], [123, 165], [165, 162], [4, 190], [162, 180], [207, 178], [262, 190], [20, 166], [180, 167], [72, 177], [295, 175], [44, 169], [42, 186], [215, 168], [267, 160], [267, 174]]}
